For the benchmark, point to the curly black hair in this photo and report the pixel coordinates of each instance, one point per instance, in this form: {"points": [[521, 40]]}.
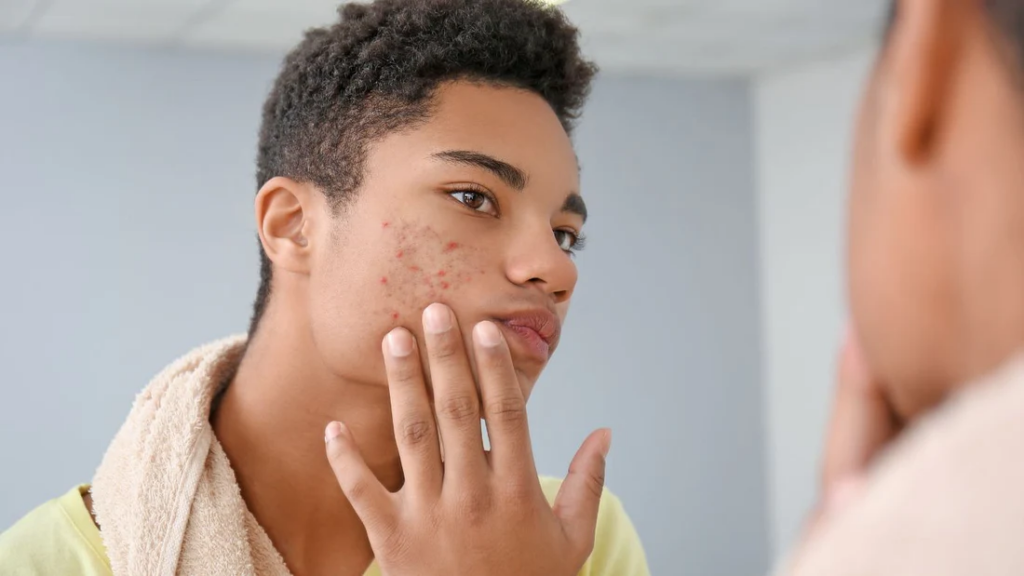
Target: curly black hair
{"points": [[375, 70]]}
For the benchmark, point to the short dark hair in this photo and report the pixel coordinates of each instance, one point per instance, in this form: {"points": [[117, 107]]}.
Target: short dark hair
{"points": [[1007, 16], [376, 69]]}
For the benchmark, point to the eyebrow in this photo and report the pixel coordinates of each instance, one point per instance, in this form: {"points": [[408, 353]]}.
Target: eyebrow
{"points": [[508, 174], [574, 204]]}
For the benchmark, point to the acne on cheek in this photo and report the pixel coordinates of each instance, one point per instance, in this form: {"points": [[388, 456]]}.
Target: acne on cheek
{"points": [[423, 268]]}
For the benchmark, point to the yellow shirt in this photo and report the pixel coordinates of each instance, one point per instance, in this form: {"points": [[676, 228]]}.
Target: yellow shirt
{"points": [[60, 538]]}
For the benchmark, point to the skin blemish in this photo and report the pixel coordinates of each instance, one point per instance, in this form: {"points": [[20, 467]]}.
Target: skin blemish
{"points": [[441, 274], [384, 280], [400, 254], [385, 224], [445, 285], [394, 316], [451, 247], [414, 268]]}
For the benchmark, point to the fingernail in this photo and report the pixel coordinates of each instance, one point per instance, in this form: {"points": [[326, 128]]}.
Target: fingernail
{"points": [[399, 342], [334, 430], [437, 319], [487, 334], [607, 442]]}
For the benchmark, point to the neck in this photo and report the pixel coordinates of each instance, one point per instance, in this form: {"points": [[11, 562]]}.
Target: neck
{"points": [[271, 423]]}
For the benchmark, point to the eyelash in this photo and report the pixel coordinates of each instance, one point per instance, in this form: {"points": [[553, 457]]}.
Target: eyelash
{"points": [[578, 239], [578, 242]]}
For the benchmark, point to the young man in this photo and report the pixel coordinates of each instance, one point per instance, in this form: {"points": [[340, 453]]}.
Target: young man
{"points": [[924, 472], [415, 152]]}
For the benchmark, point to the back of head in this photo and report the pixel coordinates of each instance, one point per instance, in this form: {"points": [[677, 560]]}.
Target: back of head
{"points": [[374, 71]]}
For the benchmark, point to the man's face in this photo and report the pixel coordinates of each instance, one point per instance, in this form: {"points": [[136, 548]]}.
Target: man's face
{"points": [[477, 208]]}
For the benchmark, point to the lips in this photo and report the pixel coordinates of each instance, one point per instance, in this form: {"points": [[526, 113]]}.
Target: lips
{"points": [[534, 332]]}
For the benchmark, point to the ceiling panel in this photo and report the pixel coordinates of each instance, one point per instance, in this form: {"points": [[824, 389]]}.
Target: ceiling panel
{"points": [[150, 21], [15, 13], [260, 25], [702, 36]]}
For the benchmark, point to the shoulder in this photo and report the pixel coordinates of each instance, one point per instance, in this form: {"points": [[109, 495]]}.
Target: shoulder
{"points": [[617, 547], [55, 538], [946, 499]]}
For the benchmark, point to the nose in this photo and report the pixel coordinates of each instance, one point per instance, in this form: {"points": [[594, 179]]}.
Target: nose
{"points": [[535, 259]]}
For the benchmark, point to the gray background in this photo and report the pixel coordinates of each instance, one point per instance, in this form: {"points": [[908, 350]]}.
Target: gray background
{"points": [[127, 185]]}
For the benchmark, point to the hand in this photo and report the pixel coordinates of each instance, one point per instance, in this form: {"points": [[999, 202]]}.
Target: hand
{"points": [[475, 513], [862, 425]]}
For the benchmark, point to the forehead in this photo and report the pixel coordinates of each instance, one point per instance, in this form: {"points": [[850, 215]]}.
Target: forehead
{"points": [[515, 125]]}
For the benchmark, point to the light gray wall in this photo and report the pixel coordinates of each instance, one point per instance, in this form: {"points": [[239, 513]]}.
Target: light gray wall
{"points": [[662, 342], [805, 118], [128, 239]]}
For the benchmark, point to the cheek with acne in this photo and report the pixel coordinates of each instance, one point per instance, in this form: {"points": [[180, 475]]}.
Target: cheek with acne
{"points": [[425, 267]]}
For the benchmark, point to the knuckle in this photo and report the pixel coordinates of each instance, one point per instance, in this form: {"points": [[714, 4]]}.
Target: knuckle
{"points": [[474, 508], [416, 432], [460, 408], [508, 410], [594, 483], [522, 490], [515, 498], [358, 489]]}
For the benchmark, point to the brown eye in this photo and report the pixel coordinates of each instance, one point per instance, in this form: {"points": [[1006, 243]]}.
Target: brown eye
{"points": [[569, 241], [476, 201]]}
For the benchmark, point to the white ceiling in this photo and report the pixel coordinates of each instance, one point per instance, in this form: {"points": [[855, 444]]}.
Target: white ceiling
{"points": [[671, 36]]}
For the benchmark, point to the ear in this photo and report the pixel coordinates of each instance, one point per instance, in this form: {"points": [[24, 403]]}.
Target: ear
{"points": [[283, 218], [926, 43]]}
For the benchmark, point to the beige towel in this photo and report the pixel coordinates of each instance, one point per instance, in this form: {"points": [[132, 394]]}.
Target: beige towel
{"points": [[165, 495], [946, 500]]}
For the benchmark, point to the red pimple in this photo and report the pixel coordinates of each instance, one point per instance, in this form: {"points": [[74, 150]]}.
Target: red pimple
{"points": [[441, 273], [383, 279], [445, 285], [385, 224], [451, 246], [394, 315], [400, 254]]}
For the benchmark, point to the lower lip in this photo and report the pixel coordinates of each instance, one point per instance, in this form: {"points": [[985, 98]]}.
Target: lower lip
{"points": [[529, 341]]}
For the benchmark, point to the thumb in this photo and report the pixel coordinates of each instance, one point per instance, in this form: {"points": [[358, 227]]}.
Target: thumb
{"points": [[579, 498]]}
